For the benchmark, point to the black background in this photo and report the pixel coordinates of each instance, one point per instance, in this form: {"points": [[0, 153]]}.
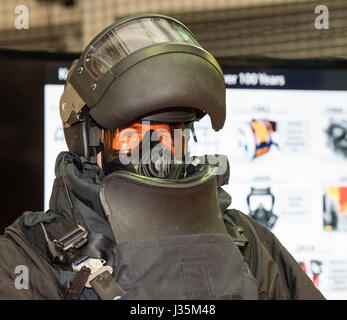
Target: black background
{"points": [[23, 76]]}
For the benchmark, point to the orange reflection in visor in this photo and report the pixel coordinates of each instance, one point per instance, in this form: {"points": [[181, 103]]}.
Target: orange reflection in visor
{"points": [[127, 138]]}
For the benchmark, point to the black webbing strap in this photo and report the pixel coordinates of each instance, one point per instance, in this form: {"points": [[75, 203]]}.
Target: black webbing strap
{"points": [[77, 286], [65, 230], [98, 246]]}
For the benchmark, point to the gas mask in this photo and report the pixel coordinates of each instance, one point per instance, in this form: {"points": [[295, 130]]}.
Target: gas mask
{"points": [[150, 149], [260, 204], [337, 134]]}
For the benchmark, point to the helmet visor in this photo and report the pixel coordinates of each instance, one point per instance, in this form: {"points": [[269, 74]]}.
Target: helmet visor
{"points": [[128, 37]]}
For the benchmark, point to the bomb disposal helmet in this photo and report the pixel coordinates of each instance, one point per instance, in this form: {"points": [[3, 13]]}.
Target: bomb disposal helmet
{"points": [[144, 67]]}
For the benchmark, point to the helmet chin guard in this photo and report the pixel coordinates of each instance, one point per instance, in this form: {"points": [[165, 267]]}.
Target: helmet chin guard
{"points": [[134, 205]]}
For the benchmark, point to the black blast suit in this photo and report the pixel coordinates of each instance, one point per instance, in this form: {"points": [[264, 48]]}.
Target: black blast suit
{"points": [[277, 274]]}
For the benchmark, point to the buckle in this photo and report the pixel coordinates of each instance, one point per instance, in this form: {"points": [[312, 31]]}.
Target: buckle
{"points": [[96, 267], [74, 239]]}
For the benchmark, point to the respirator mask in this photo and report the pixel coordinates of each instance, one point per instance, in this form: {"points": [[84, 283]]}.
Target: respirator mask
{"points": [[337, 135], [150, 149], [260, 203]]}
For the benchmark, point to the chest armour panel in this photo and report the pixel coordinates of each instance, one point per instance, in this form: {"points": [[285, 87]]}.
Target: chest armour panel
{"points": [[208, 266]]}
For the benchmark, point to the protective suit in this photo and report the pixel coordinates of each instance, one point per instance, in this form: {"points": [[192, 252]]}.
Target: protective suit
{"points": [[132, 214]]}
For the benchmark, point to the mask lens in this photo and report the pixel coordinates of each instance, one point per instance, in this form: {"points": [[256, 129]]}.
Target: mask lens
{"points": [[337, 132], [257, 200], [127, 138]]}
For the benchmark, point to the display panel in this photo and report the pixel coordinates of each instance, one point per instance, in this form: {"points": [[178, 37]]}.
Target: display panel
{"points": [[54, 136], [286, 139]]}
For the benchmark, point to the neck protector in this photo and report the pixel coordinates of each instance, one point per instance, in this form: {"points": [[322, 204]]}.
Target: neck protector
{"points": [[139, 207]]}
